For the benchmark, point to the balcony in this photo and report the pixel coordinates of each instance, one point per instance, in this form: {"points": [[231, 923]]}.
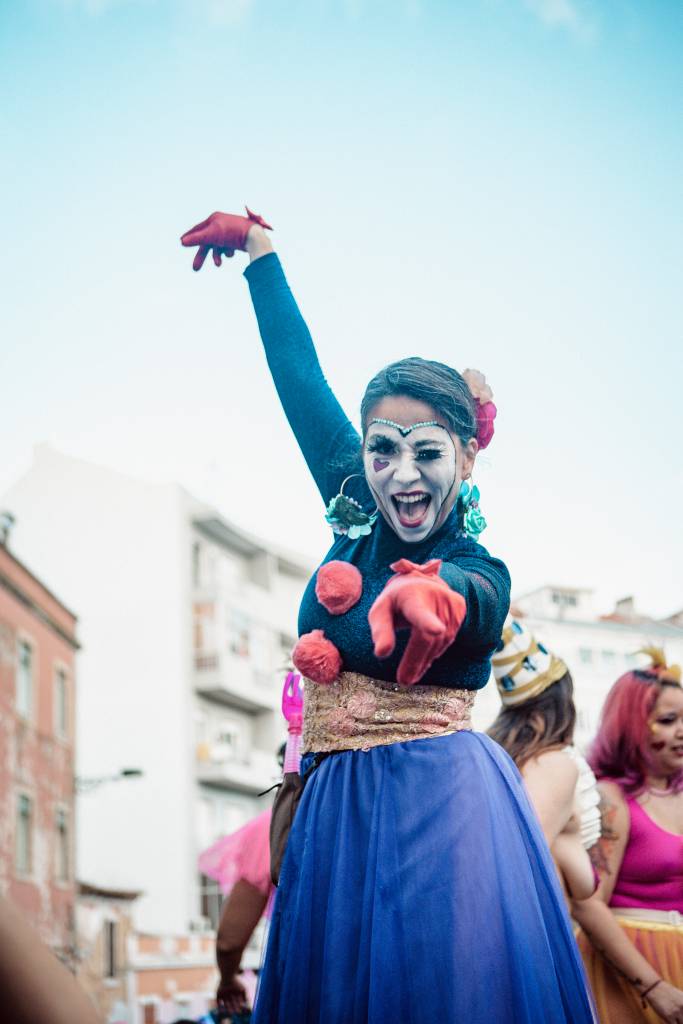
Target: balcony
{"points": [[218, 765], [233, 680]]}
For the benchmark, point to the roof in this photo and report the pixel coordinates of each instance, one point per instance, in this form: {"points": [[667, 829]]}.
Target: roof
{"points": [[26, 588], [86, 889], [219, 530], [554, 586]]}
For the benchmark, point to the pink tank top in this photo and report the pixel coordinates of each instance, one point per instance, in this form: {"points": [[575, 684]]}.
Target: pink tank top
{"points": [[651, 874]]}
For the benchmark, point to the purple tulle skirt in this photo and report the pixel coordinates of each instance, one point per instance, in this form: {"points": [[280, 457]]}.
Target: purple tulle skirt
{"points": [[417, 887]]}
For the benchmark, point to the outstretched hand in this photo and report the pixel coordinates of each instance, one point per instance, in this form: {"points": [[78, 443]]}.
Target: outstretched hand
{"points": [[416, 598], [223, 233]]}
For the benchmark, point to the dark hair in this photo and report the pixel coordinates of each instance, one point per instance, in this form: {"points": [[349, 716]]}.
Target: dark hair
{"points": [[434, 383], [546, 722]]}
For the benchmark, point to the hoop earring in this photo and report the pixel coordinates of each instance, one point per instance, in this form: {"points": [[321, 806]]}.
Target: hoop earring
{"points": [[474, 522], [346, 516]]}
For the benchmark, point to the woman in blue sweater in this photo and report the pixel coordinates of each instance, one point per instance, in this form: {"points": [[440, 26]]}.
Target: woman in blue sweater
{"points": [[416, 884]]}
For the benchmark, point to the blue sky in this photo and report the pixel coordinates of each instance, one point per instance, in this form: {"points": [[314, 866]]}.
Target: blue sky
{"points": [[494, 183]]}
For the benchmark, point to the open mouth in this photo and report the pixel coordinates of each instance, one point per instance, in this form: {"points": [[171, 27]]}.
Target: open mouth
{"points": [[411, 508]]}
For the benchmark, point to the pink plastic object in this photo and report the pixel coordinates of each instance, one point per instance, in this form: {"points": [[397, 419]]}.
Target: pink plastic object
{"points": [[292, 709]]}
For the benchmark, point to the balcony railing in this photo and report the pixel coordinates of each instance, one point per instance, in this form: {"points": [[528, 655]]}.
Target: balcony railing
{"points": [[234, 681], [219, 765]]}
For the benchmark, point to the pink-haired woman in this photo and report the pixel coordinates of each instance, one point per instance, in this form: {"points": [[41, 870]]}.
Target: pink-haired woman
{"points": [[632, 939]]}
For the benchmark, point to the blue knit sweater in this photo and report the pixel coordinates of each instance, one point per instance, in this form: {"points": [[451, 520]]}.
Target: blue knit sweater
{"points": [[331, 447]]}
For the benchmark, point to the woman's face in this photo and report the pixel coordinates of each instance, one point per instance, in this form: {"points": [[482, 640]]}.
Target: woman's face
{"points": [[414, 465], [665, 738]]}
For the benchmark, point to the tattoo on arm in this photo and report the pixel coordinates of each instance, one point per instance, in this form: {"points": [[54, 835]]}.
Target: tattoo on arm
{"points": [[600, 852]]}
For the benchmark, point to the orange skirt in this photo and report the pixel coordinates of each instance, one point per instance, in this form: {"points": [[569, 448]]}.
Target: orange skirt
{"points": [[660, 942]]}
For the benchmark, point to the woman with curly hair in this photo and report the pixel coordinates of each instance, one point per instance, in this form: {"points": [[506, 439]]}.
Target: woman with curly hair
{"points": [[632, 939]]}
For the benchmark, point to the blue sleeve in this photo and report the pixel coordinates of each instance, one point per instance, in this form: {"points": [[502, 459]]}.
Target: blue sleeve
{"points": [[484, 582], [328, 441]]}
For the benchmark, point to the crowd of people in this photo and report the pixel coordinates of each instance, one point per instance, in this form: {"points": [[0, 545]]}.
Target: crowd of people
{"points": [[426, 871]]}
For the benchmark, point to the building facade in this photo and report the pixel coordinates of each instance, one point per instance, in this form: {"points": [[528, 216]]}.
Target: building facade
{"points": [[597, 648], [187, 624], [37, 700]]}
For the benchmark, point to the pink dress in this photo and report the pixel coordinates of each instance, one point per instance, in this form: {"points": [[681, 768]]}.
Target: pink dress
{"points": [[244, 855]]}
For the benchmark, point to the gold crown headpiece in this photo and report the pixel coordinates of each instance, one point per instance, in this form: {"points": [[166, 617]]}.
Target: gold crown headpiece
{"points": [[522, 666], [665, 673]]}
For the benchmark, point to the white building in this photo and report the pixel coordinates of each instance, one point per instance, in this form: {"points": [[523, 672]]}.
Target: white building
{"points": [[186, 624], [597, 649]]}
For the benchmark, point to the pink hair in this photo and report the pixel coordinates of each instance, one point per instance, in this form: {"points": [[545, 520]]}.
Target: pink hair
{"points": [[620, 750]]}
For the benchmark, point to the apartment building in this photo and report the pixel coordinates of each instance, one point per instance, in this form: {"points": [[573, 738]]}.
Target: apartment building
{"points": [[186, 624], [37, 699]]}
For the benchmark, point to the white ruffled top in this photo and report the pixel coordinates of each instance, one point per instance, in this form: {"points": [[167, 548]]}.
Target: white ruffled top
{"points": [[587, 799]]}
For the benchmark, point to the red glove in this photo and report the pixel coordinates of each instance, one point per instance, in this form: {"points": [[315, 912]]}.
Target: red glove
{"points": [[222, 232], [416, 598]]}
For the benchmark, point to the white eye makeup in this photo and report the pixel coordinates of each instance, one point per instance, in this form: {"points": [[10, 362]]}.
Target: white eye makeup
{"points": [[412, 473]]}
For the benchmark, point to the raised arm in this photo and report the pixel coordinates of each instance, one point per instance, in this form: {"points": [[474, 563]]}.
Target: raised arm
{"points": [[324, 433]]}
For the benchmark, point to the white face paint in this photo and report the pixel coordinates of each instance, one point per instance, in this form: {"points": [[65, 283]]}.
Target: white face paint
{"points": [[414, 474]]}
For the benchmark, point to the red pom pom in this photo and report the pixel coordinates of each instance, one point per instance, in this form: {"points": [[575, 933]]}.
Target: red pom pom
{"points": [[317, 658], [338, 586]]}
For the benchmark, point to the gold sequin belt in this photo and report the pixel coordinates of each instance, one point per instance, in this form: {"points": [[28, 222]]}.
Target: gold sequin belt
{"points": [[356, 713]]}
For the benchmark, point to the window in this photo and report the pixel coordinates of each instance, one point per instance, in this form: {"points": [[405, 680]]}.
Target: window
{"points": [[608, 656], [110, 965], [566, 600], [62, 839], [25, 679], [24, 836], [286, 646], [227, 743], [61, 704], [211, 900], [586, 655], [238, 634], [196, 563], [583, 720]]}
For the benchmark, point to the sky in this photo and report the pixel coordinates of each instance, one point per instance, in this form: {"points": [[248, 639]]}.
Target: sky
{"points": [[492, 183]]}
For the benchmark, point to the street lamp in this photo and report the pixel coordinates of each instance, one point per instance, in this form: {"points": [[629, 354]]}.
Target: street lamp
{"points": [[85, 784]]}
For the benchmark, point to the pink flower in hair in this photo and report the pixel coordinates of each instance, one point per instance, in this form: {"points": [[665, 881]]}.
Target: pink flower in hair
{"points": [[486, 414], [476, 382]]}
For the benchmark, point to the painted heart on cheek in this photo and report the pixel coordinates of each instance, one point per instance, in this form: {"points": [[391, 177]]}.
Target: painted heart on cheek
{"points": [[379, 464]]}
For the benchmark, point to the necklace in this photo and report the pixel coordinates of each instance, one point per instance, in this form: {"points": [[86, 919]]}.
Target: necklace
{"points": [[655, 791]]}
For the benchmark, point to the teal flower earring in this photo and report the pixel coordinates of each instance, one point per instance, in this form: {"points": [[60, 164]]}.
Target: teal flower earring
{"points": [[346, 516], [474, 521]]}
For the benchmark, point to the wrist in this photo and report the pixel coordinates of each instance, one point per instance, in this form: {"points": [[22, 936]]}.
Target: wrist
{"points": [[258, 243], [649, 989]]}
